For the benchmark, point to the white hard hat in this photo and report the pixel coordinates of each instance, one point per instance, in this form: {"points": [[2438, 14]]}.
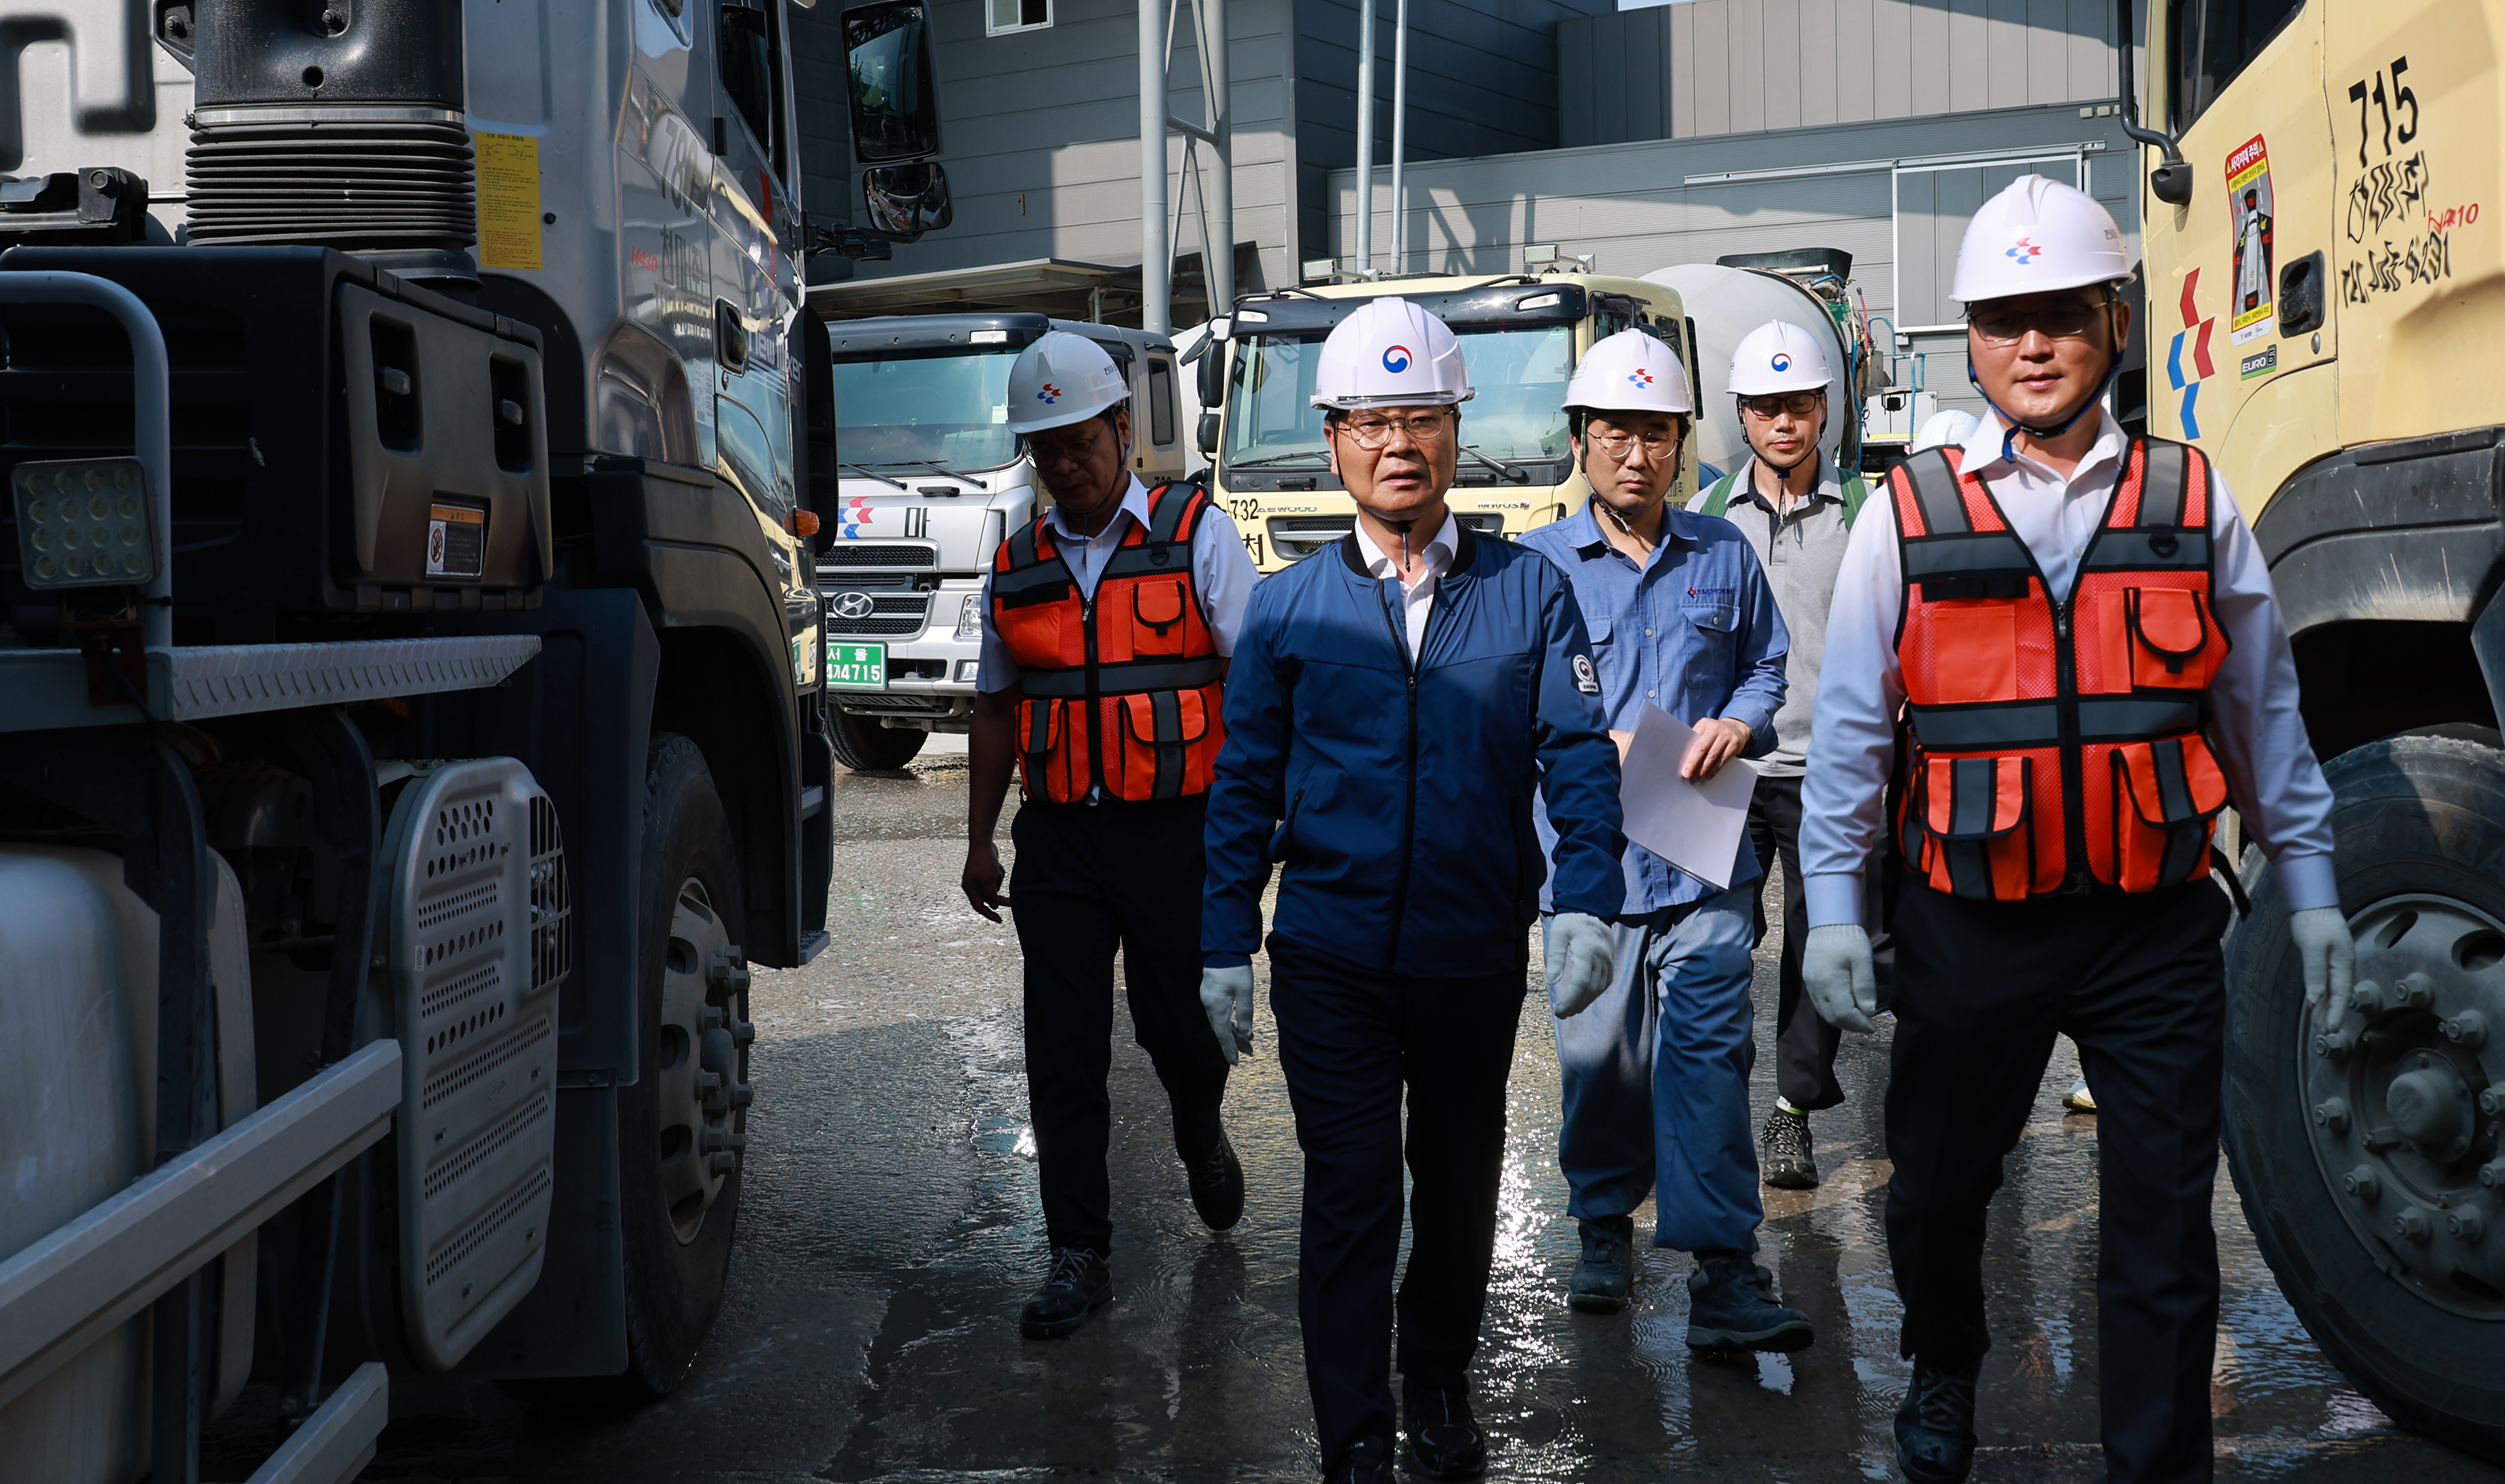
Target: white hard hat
{"points": [[1779, 356], [1062, 379], [2036, 236], [1944, 430], [1630, 371], [1389, 353]]}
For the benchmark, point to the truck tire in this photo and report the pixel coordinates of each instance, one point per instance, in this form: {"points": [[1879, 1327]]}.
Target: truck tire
{"points": [[679, 1196], [2367, 1153], [862, 745]]}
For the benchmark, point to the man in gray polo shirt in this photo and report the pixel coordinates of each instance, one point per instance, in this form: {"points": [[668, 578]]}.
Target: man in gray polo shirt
{"points": [[1796, 508]]}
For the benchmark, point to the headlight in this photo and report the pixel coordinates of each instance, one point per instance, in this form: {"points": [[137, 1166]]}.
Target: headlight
{"points": [[969, 617], [86, 523]]}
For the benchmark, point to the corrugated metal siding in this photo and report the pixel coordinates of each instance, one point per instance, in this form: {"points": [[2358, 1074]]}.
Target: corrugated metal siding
{"points": [[1708, 67], [1630, 205], [1053, 116]]}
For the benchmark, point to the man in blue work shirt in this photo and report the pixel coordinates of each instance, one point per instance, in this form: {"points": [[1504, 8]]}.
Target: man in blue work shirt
{"points": [[1656, 1070], [1395, 701]]}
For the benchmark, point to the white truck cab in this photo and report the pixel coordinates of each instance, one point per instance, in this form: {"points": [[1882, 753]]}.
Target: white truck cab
{"points": [[931, 482]]}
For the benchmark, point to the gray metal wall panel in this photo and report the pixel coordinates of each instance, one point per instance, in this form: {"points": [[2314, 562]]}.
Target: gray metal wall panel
{"points": [[1683, 70], [1476, 215], [1779, 30], [1819, 73], [1576, 122]]}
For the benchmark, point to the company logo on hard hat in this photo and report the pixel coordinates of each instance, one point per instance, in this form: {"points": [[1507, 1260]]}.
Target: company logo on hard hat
{"points": [[1639, 376], [1782, 361], [1395, 360], [1049, 394], [2024, 253]]}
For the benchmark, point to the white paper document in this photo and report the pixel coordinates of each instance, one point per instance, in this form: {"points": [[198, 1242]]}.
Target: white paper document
{"points": [[1696, 827]]}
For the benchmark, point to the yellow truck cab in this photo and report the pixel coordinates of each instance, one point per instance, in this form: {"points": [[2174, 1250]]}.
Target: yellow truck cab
{"points": [[2325, 295], [1519, 337]]}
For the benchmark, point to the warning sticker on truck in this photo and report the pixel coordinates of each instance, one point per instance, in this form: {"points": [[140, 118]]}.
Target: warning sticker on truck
{"points": [[509, 200], [456, 541], [2254, 214]]}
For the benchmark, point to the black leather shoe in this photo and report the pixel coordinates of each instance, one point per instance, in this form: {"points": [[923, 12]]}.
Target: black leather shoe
{"points": [[1218, 1185], [1786, 1157], [1935, 1426], [1369, 1460], [1444, 1440], [1079, 1285], [1607, 1272], [1731, 1306]]}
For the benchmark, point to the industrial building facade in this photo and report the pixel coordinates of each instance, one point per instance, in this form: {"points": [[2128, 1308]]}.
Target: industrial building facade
{"points": [[1639, 139]]}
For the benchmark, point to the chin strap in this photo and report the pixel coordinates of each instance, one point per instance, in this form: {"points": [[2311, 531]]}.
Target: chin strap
{"points": [[2043, 430]]}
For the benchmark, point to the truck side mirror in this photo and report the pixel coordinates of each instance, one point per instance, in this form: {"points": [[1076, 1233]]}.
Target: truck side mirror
{"points": [[1212, 372], [895, 99], [1208, 435], [908, 200]]}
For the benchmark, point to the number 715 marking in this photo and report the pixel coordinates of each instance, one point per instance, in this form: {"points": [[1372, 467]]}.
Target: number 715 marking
{"points": [[2359, 93]]}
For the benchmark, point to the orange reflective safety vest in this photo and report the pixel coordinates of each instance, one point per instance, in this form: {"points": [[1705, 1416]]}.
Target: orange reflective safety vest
{"points": [[2057, 746], [1123, 690]]}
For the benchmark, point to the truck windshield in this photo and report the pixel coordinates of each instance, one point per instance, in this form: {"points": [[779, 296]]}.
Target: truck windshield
{"points": [[948, 408], [1520, 375]]}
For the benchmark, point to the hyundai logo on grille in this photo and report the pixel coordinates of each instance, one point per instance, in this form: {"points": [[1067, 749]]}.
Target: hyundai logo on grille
{"points": [[854, 605]]}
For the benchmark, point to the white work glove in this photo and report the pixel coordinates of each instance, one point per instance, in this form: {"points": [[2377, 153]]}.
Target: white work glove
{"points": [[1226, 994], [2329, 956], [1578, 955], [1836, 971]]}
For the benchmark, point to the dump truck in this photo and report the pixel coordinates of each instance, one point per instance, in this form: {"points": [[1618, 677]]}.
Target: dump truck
{"points": [[931, 481], [1520, 335], [2323, 293], [412, 709]]}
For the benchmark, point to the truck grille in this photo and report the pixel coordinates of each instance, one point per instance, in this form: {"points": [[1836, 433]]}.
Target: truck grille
{"points": [[853, 555], [886, 614], [1297, 536]]}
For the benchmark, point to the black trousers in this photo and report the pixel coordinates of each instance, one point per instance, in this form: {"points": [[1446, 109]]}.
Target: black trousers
{"points": [[1088, 880], [2138, 982], [1350, 1040], [1804, 1043]]}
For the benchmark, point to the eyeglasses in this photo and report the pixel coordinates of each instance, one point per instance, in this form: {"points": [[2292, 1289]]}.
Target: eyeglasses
{"points": [[2055, 322], [1077, 445], [1375, 432], [1659, 448], [1797, 404]]}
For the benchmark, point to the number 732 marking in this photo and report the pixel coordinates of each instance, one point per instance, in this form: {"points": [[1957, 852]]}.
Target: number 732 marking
{"points": [[2400, 96]]}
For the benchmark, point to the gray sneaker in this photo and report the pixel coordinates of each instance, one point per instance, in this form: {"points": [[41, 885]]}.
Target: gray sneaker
{"points": [[1786, 1159], [1607, 1270]]}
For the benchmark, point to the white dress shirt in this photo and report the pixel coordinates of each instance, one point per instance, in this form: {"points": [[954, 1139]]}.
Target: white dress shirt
{"points": [[1221, 575], [2260, 740], [1418, 598]]}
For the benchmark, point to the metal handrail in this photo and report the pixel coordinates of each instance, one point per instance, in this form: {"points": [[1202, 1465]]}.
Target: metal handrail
{"points": [[152, 407]]}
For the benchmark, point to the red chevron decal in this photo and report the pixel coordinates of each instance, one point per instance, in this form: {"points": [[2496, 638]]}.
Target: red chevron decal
{"points": [[2201, 350], [2191, 315]]}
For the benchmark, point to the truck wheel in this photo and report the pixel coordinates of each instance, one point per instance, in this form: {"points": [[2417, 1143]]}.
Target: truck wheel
{"points": [[865, 747], [2367, 1151], [680, 1126]]}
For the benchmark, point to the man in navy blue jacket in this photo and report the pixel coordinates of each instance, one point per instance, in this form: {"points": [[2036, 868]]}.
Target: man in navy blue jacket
{"points": [[1396, 703]]}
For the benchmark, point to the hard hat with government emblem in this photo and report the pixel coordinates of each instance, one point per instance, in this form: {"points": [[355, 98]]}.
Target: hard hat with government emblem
{"points": [[2036, 236], [1391, 353], [1779, 356], [1629, 371], [1060, 380]]}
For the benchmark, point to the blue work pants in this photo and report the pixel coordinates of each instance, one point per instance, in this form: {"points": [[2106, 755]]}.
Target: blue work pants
{"points": [[1656, 1078]]}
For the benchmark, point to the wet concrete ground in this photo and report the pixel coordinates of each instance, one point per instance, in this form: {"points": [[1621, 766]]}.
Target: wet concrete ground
{"points": [[889, 1229]]}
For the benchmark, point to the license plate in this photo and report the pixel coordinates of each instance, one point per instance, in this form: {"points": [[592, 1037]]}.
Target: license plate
{"points": [[857, 666]]}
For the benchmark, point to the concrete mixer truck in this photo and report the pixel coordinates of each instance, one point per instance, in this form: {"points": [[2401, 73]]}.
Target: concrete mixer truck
{"points": [[412, 709], [1808, 287]]}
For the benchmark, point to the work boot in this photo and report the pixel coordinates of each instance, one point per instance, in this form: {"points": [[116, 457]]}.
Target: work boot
{"points": [[1369, 1460], [1216, 1184], [1731, 1306], [1444, 1439], [1607, 1270], [2079, 1099], [1935, 1426], [1079, 1285], [1786, 1159]]}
